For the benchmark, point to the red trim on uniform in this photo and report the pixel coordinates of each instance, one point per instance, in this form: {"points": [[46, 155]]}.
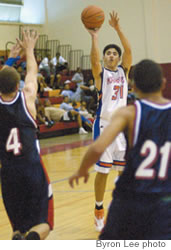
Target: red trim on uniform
{"points": [[50, 218]]}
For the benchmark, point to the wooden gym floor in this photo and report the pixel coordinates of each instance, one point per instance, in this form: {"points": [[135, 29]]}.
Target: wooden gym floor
{"points": [[73, 208]]}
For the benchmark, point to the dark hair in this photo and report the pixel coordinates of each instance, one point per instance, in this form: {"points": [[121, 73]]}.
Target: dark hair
{"points": [[9, 78], [147, 76], [58, 54], [112, 46]]}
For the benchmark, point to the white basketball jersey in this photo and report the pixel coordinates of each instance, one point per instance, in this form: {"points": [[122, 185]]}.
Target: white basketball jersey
{"points": [[113, 93]]}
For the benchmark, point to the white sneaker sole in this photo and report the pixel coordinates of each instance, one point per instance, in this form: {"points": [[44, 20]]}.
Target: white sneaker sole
{"points": [[99, 225]]}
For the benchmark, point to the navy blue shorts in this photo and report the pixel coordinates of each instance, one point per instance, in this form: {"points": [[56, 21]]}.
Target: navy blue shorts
{"points": [[27, 195], [138, 217]]}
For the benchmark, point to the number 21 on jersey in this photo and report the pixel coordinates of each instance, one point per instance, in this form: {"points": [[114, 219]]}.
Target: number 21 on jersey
{"points": [[151, 152], [13, 142]]}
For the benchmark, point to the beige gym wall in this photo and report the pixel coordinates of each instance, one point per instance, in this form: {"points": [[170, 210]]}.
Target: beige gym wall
{"points": [[146, 23]]}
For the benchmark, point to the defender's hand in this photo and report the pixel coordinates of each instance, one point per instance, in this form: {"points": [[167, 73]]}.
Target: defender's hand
{"points": [[30, 38], [15, 50]]}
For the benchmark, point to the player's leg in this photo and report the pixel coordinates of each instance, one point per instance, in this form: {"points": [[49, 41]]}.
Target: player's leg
{"points": [[102, 168], [38, 232], [119, 171], [39, 207], [12, 190], [116, 226], [99, 187], [119, 146]]}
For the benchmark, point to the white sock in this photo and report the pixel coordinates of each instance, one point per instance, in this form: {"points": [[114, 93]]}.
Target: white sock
{"points": [[99, 203]]}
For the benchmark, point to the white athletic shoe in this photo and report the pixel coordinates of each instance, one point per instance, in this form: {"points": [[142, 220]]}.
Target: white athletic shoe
{"points": [[99, 219], [82, 131]]}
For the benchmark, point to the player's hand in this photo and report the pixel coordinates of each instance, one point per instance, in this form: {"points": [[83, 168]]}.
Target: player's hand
{"points": [[30, 38], [114, 20], [93, 32], [15, 50], [75, 178]]}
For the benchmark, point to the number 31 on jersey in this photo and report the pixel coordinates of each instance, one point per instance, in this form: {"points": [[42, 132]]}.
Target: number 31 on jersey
{"points": [[118, 92]]}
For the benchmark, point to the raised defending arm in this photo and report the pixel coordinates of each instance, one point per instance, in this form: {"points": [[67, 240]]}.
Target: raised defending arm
{"points": [[30, 88]]}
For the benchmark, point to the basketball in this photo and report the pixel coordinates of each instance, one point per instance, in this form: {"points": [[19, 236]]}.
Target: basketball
{"points": [[92, 17]]}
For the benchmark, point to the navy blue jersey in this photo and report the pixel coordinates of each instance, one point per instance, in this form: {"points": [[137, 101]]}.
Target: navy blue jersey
{"points": [[148, 168], [17, 130], [26, 189]]}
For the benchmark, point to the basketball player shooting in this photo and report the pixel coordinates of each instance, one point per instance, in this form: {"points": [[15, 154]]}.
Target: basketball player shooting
{"points": [[111, 82]]}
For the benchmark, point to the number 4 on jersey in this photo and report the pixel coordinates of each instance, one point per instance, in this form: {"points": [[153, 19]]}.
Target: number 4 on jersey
{"points": [[13, 142]]}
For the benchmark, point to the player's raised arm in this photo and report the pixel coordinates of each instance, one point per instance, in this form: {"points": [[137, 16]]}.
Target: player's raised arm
{"points": [[28, 44], [95, 57], [15, 55], [30, 88], [127, 54]]}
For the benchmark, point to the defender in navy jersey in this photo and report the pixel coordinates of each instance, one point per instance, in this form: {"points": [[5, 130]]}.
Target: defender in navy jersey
{"points": [[141, 205], [111, 82], [26, 190]]}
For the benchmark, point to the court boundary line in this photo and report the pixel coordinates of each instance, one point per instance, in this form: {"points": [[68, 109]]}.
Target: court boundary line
{"points": [[64, 147]]}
